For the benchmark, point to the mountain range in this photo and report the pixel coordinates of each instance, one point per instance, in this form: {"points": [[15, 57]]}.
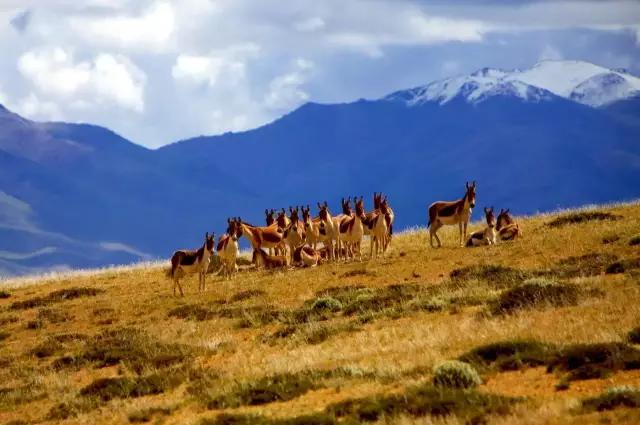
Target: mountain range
{"points": [[560, 134]]}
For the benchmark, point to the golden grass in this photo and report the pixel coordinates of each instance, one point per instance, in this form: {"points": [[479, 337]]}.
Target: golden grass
{"points": [[385, 351]]}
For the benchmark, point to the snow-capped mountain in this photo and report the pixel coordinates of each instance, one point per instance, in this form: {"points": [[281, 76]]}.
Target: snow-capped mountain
{"points": [[579, 81]]}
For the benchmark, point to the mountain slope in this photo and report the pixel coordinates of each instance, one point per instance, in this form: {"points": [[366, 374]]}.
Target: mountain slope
{"points": [[530, 148]]}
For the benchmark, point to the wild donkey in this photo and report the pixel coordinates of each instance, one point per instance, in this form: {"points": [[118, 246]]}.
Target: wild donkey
{"points": [[486, 236], [228, 247], [294, 234], [262, 237], [306, 256], [507, 228], [452, 212], [262, 259], [192, 261], [379, 224], [351, 230], [330, 229]]}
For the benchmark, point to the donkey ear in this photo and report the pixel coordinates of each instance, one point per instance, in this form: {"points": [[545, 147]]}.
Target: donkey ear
{"points": [[326, 204], [466, 184], [319, 206], [474, 183], [486, 210], [508, 210], [206, 235]]}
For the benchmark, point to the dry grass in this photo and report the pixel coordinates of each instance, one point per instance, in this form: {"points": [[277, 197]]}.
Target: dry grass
{"points": [[337, 343]]}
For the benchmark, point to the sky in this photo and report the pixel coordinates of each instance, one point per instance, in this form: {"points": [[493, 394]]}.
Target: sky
{"points": [[158, 71]]}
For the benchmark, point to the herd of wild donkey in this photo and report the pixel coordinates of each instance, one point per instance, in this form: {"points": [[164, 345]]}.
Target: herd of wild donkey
{"points": [[291, 242]]}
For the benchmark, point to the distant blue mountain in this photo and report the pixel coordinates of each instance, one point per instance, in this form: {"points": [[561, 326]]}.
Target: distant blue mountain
{"points": [[81, 196]]}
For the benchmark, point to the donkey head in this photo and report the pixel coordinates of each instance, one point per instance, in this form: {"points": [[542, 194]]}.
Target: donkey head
{"points": [[471, 193], [491, 219], [209, 241], [346, 206], [270, 216], [360, 208], [293, 214], [377, 198], [323, 211], [504, 219]]}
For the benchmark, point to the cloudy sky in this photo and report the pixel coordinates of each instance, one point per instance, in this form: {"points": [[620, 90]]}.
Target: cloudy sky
{"points": [[157, 71]]}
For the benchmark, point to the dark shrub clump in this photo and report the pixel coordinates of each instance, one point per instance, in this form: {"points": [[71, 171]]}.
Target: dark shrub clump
{"points": [[455, 374], [634, 335], [623, 266], [536, 293], [613, 398], [110, 388], [589, 361], [56, 296], [511, 355], [494, 275], [582, 217], [245, 295]]}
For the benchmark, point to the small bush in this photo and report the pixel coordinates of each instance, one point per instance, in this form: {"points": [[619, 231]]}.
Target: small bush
{"points": [[536, 293], [53, 315], [56, 296], [589, 361], [130, 346], [586, 265], [245, 295], [430, 304], [145, 415], [635, 240], [582, 217], [511, 355], [47, 348], [494, 275], [623, 266], [317, 333], [610, 238], [613, 398], [455, 374], [5, 320], [26, 393], [4, 335], [4, 295], [107, 389], [358, 272], [265, 390], [422, 400], [72, 409], [634, 335], [192, 312], [35, 324], [252, 419]]}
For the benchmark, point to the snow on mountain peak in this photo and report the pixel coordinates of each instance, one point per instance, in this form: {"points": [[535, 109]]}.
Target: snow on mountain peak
{"points": [[579, 81]]}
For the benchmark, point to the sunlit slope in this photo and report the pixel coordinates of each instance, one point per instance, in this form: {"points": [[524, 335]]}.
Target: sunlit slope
{"points": [[343, 343]]}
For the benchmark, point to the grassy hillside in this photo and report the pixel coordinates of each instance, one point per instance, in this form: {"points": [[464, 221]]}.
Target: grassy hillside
{"points": [[344, 343]]}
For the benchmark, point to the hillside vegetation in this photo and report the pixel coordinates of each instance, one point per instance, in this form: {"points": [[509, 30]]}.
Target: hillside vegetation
{"points": [[541, 330]]}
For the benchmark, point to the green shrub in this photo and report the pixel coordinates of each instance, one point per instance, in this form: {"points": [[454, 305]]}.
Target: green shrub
{"points": [[107, 389], [536, 293], [455, 374], [613, 398], [326, 303]]}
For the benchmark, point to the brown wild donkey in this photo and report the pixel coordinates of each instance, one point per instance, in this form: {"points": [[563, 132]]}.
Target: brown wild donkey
{"points": [[228, 247], [452, 212], [294, 234], [263, 237], [506, 227], [351, 230], [192, 261], [262, 259], [487, 236]]}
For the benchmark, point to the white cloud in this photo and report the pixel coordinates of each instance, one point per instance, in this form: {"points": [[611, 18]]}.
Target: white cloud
{"points": [[285, 91], [151, 29], [310, 25], [550, 53], [33, 107], [110, 79]]}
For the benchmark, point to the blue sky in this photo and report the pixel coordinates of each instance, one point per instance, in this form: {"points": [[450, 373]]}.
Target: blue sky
{"points": [[157, 71]]}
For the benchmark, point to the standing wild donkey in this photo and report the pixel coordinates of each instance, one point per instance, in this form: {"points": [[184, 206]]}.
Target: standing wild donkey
{"points": [[192, 261], [452, 212], [228, 249]]}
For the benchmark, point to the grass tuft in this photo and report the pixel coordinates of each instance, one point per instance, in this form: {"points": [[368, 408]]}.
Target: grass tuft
{"points": [[634, 335], [635, 240], [592, 264], [4, 295], [536, 293], [107, 389], [582, 217], [145, 415], [623, 266]]}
